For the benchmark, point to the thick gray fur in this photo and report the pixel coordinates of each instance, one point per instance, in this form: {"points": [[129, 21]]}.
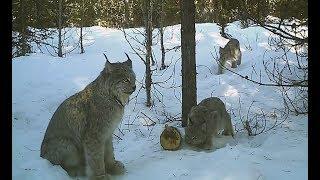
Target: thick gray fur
{"points": [[205, 120], [80, 131], [231, 52]]}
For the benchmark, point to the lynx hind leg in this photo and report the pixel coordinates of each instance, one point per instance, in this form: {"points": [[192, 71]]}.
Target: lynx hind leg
{"points": [[219, 70], [239, 60], [239, 54], [233, 64], [63, 152], [220, 65], [228, 130]]}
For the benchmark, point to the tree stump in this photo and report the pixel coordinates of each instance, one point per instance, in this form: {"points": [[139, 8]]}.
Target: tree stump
{"points": [[170, 138]]}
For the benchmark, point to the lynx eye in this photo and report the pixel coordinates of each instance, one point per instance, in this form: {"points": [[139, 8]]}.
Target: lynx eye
{"points": [[126, 80]]}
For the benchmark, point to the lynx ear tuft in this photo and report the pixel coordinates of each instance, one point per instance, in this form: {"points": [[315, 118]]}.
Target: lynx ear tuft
{"points": [[127, 56], [106, 57], [129, 62], [108, 65]]}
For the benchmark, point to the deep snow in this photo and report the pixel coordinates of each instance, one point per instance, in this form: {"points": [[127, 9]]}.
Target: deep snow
{"points": [[41, 82]]}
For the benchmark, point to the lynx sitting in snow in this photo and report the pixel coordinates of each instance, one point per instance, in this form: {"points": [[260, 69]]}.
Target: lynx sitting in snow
{"points": [[80, 131], [231, 52], [205, 120]]}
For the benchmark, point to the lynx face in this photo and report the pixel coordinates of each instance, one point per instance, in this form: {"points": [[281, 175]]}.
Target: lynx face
{"points": [[232, 53], [195, 136], [121, 78], [196, 130]]}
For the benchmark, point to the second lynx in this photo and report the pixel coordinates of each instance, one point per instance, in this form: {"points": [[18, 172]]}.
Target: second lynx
{"points": [[231, 52]]}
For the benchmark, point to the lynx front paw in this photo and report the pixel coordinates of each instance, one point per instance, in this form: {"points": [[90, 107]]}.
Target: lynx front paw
{"points": [[207, 145], [227, 133], [78, 171], [101, 177], [117, 168]]}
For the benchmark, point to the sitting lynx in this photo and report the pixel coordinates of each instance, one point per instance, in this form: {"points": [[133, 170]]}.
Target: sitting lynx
{"points": [[205, 120], [231, 52], [80, 131]]}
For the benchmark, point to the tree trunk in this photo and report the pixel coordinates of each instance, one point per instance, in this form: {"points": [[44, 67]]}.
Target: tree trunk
{"points": [[126, 14], [163, 53], [23, 46], [149, 42], [81, 28], [148, 26], [81, 41], [60, 29], [189, 89]]}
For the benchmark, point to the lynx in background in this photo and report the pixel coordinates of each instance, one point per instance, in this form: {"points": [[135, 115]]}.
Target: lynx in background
{"points": [[231, 52], [205, 120], [80, 131]]}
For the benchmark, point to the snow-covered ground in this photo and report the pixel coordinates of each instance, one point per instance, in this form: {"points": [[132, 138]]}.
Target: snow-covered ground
{"points": [[41, 82]]}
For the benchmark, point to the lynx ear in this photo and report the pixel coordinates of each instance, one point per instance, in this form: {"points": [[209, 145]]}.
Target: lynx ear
{"points": [[129, 62], [108, 65], [106, 57]]}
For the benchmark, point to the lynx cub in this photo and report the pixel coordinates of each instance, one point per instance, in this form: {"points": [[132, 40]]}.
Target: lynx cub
{"points": [[205, 120], [231, 52], [80, 131]]}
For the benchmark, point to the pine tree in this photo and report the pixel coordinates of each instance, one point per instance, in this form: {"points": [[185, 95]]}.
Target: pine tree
{"points": [[189, 89]]}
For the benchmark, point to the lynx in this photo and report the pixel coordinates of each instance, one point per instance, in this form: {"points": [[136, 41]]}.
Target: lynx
{"points": [[205, 120], [79, 134], [231, 52]]}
